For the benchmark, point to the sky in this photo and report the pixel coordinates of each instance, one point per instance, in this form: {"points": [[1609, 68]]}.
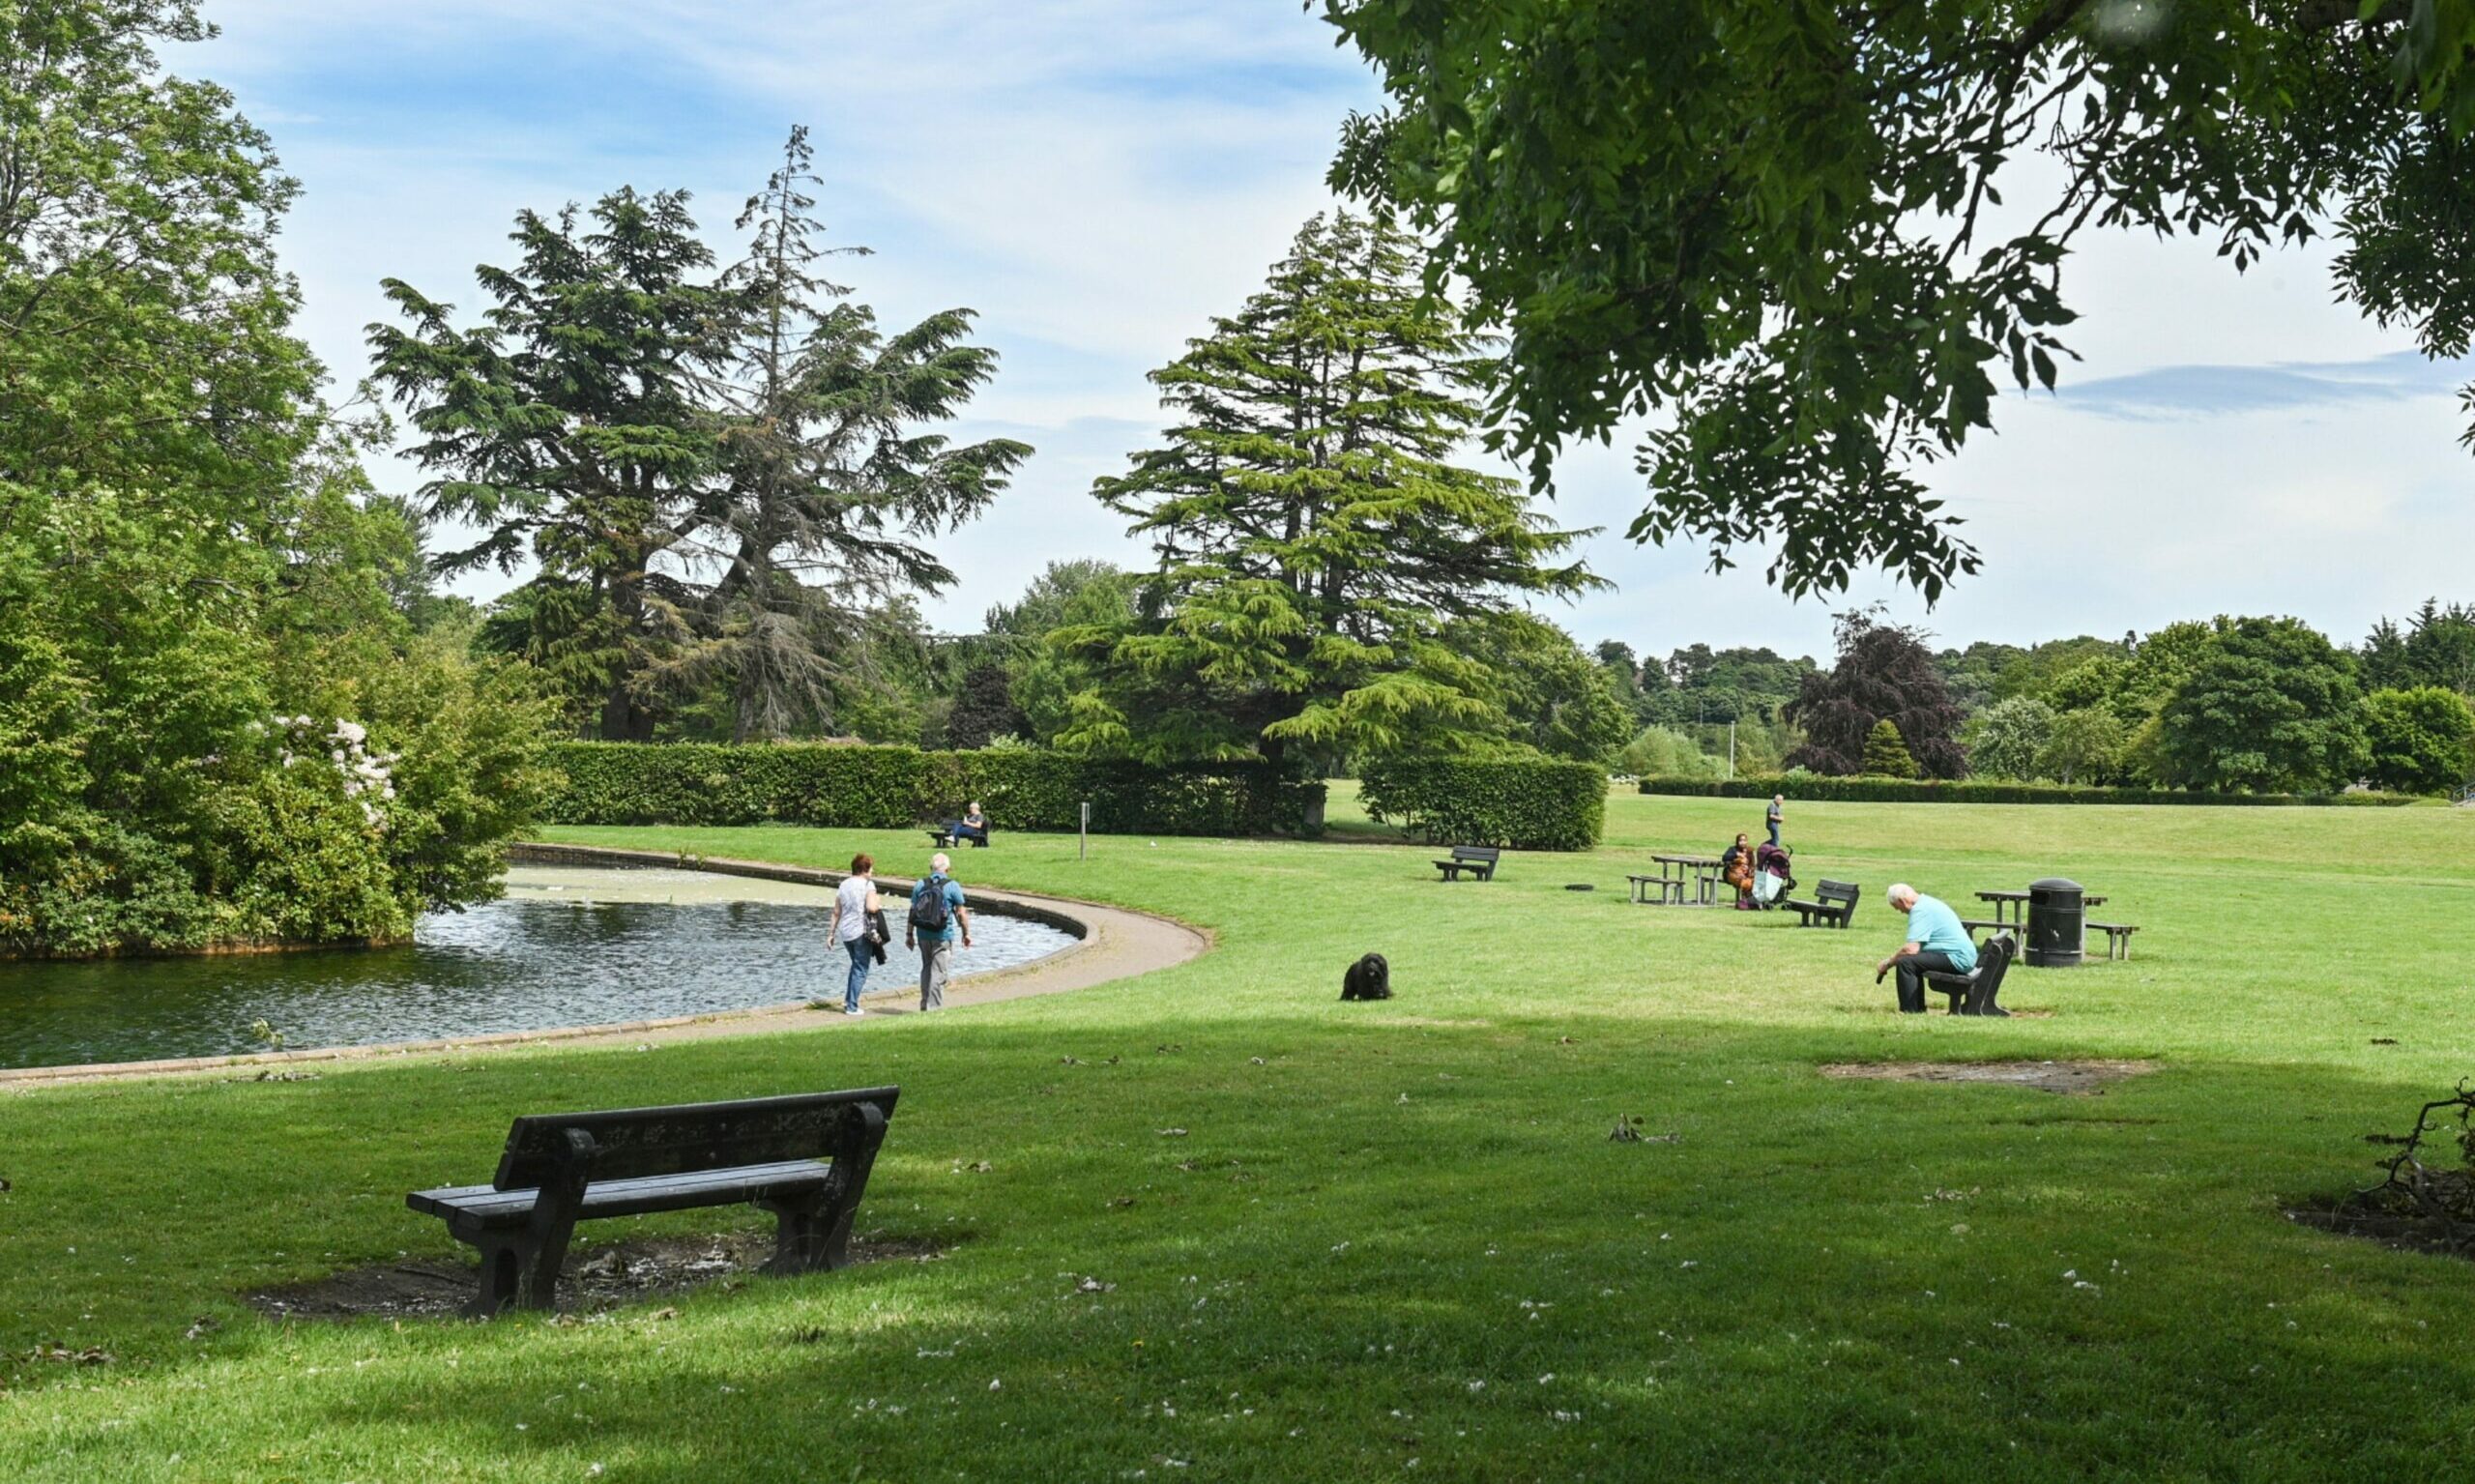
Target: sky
{"points": [[1098, 178]]}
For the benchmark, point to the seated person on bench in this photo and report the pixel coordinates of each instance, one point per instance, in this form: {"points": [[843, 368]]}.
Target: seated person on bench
{"points": [[1936, 943], [973, 826]]}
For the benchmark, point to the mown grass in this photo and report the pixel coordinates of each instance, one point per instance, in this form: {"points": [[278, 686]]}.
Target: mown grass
{"points": [[1392, 1240]]}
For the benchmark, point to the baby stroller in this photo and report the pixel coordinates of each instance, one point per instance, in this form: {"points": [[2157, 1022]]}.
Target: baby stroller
{"points": [[1772, 878]]}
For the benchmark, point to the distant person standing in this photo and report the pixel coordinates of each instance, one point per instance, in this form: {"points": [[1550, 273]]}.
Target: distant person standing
{"points": [[1936, 944], [852, 902], [1778, 812], [938, 913]]}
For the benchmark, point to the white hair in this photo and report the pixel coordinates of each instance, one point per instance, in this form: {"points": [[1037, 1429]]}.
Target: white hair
{"points": [[939, 861], [1899, 889]]}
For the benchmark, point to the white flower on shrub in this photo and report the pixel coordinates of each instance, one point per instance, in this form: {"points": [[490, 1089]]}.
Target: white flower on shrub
{"points": [[362, 772]]}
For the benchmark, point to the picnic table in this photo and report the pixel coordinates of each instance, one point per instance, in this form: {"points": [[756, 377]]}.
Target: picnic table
{"points": [[2011, 908], [1682, 881]]}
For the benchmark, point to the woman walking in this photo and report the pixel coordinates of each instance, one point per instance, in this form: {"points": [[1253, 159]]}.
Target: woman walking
{"points": [[854, 902]]}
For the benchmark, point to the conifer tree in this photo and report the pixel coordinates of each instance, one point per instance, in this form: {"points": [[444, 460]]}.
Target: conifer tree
{"points": [[1313, 528]]}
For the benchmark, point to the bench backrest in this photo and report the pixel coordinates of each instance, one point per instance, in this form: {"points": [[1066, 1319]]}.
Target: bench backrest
{"points": [[1993, 962], [1841, 893], [635, 1142], [1475, 852]]}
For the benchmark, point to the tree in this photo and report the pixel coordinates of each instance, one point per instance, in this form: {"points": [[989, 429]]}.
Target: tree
{"points": [[1884, 672], [1551, 696], [1814, 237], [2085, 746], [2010, 738], [985, 708], [2435, 647], [824, 482], [191, 566], [1886, 756], [2421, 741], [1085, 593], [2272, 706], [1312, 530], [568, 428]]}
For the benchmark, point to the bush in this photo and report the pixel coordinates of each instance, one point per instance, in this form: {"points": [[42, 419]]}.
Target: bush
{"points": [[1528, 804], [891, 788], [2423, 741], [1816, 786]]}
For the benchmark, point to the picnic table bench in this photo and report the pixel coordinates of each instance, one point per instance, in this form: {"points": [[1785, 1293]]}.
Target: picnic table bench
{"points": [[1479, 860], [1972, 993], [2010, 915], [1682, 881], [948, 837], [1833, 903], [805, 1159], [2118, 938]]}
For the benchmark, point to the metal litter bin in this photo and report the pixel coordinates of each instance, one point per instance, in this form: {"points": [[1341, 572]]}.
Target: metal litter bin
{"points": [[2057, 918]]}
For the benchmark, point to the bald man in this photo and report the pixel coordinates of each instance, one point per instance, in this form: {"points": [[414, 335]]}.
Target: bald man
{"points": [[1936, 944], [937, 915]]}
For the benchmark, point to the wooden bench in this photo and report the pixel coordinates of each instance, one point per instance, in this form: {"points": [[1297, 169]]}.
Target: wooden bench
{"points": [[1478, 860], [2118, 938], [947, 837], [805, 1159], [1834, 903], [1972, 993]]}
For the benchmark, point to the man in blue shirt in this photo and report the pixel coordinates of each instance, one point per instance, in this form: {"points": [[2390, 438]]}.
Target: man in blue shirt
{"points": [[937, 915], [1936, 943]]}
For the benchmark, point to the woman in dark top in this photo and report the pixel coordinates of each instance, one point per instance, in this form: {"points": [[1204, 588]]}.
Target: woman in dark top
{"points": [[1737, 866]]}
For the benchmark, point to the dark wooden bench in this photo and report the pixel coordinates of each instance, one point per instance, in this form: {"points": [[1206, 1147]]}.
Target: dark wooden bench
{"points": [[1834, 903], [2118, 938], [805, 1159], [1972, 993], [1478, 860], [948, 837]]}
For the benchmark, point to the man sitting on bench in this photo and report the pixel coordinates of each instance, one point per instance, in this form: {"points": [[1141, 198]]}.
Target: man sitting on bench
{"points": [[1936, 943]]}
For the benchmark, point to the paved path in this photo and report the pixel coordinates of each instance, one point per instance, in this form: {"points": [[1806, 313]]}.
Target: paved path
{"points": [[1115, 944]]}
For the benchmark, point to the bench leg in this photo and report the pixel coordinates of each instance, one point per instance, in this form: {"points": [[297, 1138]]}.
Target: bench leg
{"points": [[806, 1236], [503, 1264]]}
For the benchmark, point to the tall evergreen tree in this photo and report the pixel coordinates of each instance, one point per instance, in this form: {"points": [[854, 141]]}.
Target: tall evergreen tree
{"points": [[824, 484], [1313, 530], [568, 426]]}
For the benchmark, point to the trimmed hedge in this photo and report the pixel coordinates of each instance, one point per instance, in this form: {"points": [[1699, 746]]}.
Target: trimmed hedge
{"points": [[1942, 791], [1538, 805], [892, 787]]}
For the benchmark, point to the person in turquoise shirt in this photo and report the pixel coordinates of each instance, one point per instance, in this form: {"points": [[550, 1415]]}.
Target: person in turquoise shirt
{"points": [[1936, 943]]}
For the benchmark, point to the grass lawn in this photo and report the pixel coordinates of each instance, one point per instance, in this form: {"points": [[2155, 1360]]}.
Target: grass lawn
{"points": [[1391, 1241]]}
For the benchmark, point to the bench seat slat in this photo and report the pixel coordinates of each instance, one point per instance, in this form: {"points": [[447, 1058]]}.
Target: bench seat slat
{"points": [[489, 1206]]}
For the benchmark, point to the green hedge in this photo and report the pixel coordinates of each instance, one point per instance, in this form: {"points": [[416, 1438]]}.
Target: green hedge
{"points": [[1937, 790], [892, 787], [1526, 805]]}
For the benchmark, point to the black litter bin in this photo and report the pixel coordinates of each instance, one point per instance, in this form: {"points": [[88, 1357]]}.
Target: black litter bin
{"points": [[2058, 916]]}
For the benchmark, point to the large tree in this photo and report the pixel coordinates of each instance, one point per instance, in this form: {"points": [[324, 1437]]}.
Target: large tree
{"points": [[1314, 525], [1885, 673], [2420, 740], [193, 576], [2271, 707], [1810, 238], [568, 426], [827, 476], [2436, 647]]}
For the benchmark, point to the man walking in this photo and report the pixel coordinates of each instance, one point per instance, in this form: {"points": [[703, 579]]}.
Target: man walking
{"points": [[938, 912], [1936, 943], [1778, 812]]}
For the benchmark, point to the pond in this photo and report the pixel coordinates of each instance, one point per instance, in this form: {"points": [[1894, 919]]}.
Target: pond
{"points": [[568, 946]]}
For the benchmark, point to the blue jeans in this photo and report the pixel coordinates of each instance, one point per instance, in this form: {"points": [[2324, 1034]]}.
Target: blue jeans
{"points": [[861, 958]]}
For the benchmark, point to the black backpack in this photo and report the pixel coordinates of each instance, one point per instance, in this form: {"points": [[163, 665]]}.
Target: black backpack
{"points": [[928, 913]]}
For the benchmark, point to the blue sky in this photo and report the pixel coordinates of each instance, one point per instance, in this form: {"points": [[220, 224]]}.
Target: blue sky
{"points": [[1098, 177]]}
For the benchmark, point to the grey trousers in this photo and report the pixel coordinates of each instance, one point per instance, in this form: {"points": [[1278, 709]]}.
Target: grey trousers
{"points": [[935, 966]]}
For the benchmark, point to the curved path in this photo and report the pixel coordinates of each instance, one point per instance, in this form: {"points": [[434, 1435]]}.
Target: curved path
{"points": [[1115, 944]]}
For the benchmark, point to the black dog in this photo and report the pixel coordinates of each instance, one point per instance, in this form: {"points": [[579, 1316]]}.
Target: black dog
{"points": [[1369, 979]]}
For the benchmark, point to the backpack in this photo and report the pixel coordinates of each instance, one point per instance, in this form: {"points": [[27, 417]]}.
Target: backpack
{"points": [[928, 912]]}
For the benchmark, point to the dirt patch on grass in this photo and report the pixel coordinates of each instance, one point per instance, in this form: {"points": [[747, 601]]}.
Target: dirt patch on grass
{"points": [[2083, 1078], [604, 1277]]}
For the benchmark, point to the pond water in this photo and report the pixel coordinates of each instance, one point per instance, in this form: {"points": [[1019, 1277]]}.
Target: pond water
{"points": [[568, 946]]}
